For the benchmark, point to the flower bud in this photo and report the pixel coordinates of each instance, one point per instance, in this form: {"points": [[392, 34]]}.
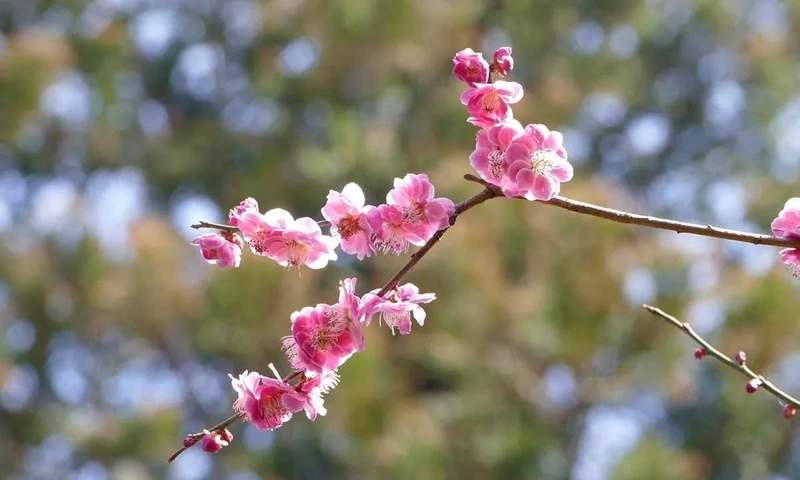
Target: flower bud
{"points": [[752, 385], [789, 411], [700, 353], [470, 67], [741, 357], [503, 62]]}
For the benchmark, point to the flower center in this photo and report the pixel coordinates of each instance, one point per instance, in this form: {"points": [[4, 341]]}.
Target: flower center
{"points": [[297, 252], [393, 239], [272, 407], [414, 213], [259, 241], [543, 160], [496, 160], [348, 226], [490, 101]]}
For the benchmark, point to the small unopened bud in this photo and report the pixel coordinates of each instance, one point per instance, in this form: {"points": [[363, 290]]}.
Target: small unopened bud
{"points": [[741, 357], [789, 411], [189, 441], [752, 385], [700, 353], [214, 441]]}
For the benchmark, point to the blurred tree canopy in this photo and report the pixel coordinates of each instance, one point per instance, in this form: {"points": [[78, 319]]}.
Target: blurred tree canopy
{"points": [[124, 121]]}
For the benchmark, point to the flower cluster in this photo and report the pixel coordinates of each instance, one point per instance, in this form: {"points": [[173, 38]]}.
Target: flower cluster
{"points": [[528, 162]]}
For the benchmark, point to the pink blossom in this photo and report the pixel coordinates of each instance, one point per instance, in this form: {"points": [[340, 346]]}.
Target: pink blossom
{"points": [[470, 67], [325, 336], [213, 442], [223, 249], [313, 388], [787, 225], [289, 242], [348, 216], [537, 164], [503, 61], [397, 306], [489, 157], [411, 215], [266, 402], [246, 205], [488, 103]]}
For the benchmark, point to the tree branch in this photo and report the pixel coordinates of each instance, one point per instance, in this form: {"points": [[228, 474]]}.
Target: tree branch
{"points": [[710, 350], [619, 216]]}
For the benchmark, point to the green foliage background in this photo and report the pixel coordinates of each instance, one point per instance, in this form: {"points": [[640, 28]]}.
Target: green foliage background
{"points": [[123, 121]]}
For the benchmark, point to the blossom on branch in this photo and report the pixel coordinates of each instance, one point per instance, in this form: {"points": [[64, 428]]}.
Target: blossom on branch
{"points": [[488, 103], [223, 249], [246, 205], [489, 156], [348, 216], [266, 402], [787, 225], [325, 336], [537, 164], [470, 67], [289, 242], [396, 307], [503, 62], [411, 214]]}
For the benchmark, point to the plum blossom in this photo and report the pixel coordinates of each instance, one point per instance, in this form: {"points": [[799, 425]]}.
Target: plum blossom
{"points": [[348, 216], [488, 103], [246, 205], [489, 157], [214, 441], [537, 164], [289, 242], [396, 307], [787, 225], [313, 388], [223, 249], [266, 402], [411, 214], [503, 62], [325, 336], [470, 67]]}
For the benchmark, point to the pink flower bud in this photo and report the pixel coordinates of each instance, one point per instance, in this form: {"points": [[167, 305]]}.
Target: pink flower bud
{"points": [[741, 357], [789, 411], [752, 385], [503, 61], [700, 353], [189, 441]]}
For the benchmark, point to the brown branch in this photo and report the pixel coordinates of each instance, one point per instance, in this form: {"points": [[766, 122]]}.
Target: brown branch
{"points": [[462, 207], [619, 216], [710, 350], [222, 226], [218, 226]]}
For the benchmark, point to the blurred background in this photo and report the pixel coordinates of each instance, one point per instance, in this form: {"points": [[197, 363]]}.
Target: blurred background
{"points": [[124, 121]]}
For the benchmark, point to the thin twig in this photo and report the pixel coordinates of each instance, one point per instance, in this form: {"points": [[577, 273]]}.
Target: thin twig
{"points": [[195, 436], [222, 226], [218, 226], [619, 216], [710, 350]]}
